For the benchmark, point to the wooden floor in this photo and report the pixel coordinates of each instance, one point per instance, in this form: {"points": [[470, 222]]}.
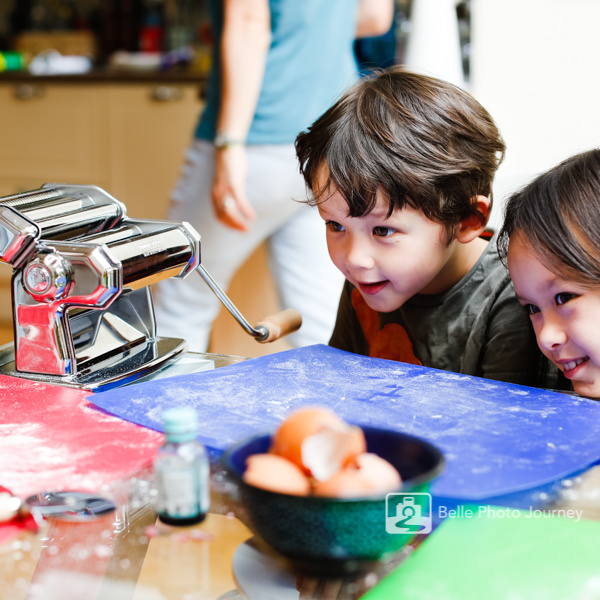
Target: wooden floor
{"points": [[6, 334]]}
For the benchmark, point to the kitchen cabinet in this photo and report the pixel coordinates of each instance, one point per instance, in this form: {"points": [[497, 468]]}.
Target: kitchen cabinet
{"points": [[149, 129], [51, 133], [126, 138]]}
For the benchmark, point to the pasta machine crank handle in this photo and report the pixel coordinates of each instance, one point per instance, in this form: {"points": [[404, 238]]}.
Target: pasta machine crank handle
{"points": [[270, 328]]}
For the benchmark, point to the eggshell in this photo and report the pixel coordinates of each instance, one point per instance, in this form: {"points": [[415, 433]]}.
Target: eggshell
{"points": [[326, 452], [9, 506], [381, 474], [300, 424], [347, 483], [275, 473], [370, 474]]}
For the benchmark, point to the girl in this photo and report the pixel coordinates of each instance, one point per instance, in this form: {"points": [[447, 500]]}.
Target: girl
{"points": [[551, 240]]}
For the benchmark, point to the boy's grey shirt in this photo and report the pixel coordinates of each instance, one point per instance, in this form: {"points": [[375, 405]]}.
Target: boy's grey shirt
{"points": [[477, 327]]}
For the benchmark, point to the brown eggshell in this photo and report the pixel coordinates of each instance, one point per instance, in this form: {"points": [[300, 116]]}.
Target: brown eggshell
{"points": [[275, 473], [347, 483], [381, 474], [300, 424], [371, 474], [328, 451]]}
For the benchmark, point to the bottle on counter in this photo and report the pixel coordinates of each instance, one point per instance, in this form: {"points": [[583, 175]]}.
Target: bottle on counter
{"points": [[13, 61], [182, 470], [152, 29]]}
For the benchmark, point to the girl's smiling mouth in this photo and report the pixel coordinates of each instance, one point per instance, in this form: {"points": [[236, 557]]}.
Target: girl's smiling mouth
{"points": [[571, 367]]}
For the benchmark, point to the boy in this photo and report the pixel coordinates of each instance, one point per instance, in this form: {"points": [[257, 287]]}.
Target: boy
{"points": [[401, 170]]}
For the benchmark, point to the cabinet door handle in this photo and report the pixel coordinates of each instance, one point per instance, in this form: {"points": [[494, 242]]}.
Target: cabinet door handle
{"points": [[29, 91], [166, 93]]}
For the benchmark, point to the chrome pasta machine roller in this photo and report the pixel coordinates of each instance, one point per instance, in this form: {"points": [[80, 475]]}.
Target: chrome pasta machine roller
{"points": [[81, 298]]}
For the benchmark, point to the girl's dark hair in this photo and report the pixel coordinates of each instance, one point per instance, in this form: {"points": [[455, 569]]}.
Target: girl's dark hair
{"points": [[558, 215], [423, 142]]}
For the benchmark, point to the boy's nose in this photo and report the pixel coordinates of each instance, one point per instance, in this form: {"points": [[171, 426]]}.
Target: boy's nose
{"points": [[357, 253]]}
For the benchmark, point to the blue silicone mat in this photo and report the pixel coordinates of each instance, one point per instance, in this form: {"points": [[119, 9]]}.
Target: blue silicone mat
{"points": [[497, 438]]}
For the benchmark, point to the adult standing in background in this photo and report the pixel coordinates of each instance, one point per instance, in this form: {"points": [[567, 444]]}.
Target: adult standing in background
{"points": [[277, 65]]}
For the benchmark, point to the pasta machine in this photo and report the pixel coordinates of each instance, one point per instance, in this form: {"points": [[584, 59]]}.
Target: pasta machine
{"points": [[81, 287]]}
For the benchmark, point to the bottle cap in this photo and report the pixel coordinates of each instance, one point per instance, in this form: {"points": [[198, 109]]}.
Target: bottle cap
{"points": [[181, 423]]}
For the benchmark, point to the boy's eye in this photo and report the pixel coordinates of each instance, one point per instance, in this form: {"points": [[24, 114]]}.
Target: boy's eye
{"points": [[563, 298], [334, 226], [531, 309], [382, 231]]}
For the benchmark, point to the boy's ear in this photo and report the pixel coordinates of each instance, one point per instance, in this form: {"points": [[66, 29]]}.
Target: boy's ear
{"points": [[474, 225]]}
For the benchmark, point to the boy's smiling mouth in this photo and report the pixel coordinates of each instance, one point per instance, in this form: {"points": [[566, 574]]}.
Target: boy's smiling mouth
{"points": [[372, 288]]}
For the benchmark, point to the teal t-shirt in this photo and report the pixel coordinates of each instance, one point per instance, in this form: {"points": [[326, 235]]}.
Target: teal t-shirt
{"points": [[309, 65]]}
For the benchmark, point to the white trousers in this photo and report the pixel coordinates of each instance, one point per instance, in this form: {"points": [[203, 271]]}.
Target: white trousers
{"points": [[303, 273]]}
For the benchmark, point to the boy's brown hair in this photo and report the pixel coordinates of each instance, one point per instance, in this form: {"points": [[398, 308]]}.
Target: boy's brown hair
{"points": [[423, 142]]}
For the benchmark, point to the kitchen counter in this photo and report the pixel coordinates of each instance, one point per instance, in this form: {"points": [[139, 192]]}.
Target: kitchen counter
{"points": [[128, 556], [109, 76]]}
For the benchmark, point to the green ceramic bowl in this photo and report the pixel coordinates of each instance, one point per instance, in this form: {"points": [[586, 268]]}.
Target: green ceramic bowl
{"points": [[332, 536]]}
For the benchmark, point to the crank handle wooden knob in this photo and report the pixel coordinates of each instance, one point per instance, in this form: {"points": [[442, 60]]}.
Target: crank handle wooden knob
{"points": [[278, 325]]}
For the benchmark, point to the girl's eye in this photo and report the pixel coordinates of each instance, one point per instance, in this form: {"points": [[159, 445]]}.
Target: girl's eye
{"points": [[382, 231], [334, 226], [531, 309], [563, 298]]}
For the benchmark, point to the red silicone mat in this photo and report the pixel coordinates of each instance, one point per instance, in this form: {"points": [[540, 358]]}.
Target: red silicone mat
{"points": [[52, 438]]}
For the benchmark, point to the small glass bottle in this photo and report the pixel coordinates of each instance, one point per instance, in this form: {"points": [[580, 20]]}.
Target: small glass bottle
{"points": [[182, 470]]}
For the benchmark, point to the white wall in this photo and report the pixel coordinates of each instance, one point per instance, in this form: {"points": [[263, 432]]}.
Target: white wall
{"points": [[535, 66]]}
